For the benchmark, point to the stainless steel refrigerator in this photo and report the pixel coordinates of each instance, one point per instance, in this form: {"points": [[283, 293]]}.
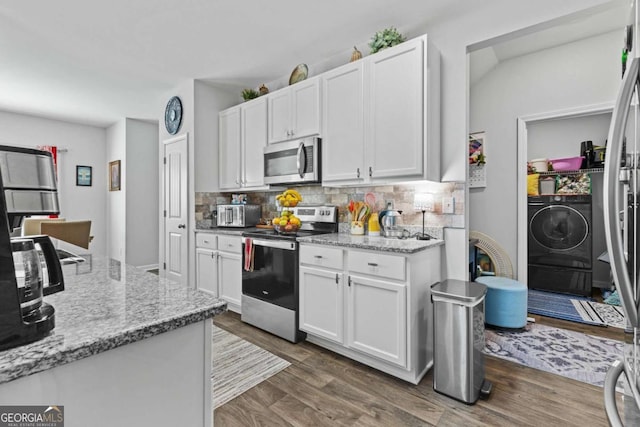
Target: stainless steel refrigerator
{"points": [[621, 195]]}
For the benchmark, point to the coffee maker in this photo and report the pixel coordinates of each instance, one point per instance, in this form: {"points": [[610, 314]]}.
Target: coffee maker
{"points": [[27, 187]]}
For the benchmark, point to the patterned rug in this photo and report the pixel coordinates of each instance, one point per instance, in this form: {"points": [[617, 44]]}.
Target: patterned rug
{"points": [[610, 315], [559, 306], [237, 365], [570, 354]]}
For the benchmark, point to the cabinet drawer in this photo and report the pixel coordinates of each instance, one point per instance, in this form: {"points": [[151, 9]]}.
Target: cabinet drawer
{"points": [[230, 244], [382, 265], [206, 240], [321, 256]]}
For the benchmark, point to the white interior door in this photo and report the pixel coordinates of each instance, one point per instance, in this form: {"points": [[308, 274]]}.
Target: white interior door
{"points": [[175, 209]]}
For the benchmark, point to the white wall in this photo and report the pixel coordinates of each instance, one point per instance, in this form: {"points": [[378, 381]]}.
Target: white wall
{"points": [[556, 139], [141, 196], [86, 146], [116, 200], [577, 74]]}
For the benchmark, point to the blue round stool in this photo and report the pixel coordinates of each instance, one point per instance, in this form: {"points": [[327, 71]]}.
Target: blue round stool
{"points": [[505, 303]]}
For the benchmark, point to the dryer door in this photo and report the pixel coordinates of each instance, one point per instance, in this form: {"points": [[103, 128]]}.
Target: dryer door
{"points": [[562, 236]]}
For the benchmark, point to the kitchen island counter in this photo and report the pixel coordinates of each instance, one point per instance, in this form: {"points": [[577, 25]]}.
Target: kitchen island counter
{"points": [[120, 332], [376, 243]]}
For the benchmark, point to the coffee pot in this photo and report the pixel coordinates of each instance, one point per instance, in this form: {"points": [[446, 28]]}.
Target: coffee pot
{"points": [[390, 220], [29, 256]]}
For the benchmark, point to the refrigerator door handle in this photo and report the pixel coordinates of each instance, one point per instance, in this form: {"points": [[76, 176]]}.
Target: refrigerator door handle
{"points": [[611, 194]]}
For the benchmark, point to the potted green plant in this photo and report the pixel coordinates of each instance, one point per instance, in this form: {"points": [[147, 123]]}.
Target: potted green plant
{"points": [[248, 94], [385, 38]]}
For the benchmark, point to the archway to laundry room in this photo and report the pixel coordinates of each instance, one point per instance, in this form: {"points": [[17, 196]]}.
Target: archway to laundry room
{"points": [[539, 93], [568, 66]]}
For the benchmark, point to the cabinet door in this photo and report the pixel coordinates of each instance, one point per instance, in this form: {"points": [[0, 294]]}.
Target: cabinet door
{"points": [[396, 111], [229, 150], [207, 270], [377, 318], [254, 139], [321, 303], [279, 113], [343, 124], [305, 108], [230, 279]]}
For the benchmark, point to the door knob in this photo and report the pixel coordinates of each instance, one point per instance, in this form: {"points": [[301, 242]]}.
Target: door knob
{"points": [[182, 226]]}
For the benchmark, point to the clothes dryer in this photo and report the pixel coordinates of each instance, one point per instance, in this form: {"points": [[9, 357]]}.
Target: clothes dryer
{"points": [[560, 243]]}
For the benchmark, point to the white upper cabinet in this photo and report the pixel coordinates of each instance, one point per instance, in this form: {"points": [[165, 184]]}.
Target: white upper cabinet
{"points": [[294, 112], [343, 123], [229, 149], [243, 136], [395, 94], [254, 139], [390, 124]]}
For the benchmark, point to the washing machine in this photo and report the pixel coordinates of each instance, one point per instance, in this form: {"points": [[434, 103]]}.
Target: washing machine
{"points": [[560, 243]]}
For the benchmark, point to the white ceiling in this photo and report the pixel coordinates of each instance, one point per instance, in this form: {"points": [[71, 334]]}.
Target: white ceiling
{"points": [[564, 31], [97, 62]]}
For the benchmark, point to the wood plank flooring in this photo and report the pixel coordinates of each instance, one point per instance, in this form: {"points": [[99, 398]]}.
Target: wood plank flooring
{"points": [[321, 388]]}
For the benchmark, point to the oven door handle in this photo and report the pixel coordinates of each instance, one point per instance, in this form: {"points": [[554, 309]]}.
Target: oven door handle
{"points": [[276, 244]]}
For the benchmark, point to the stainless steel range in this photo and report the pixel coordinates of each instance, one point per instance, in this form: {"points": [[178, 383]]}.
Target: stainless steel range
{"points": [[270, 282]]}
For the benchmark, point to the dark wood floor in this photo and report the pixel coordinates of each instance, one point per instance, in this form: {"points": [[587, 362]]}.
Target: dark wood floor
{"points": [[321, 388]]}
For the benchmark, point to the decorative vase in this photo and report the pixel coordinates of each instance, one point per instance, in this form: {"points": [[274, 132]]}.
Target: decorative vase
{"points": [[357, 228]]}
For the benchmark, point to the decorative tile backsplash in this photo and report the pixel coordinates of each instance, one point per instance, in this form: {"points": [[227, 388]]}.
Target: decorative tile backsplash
{"points": [[402, 197]]}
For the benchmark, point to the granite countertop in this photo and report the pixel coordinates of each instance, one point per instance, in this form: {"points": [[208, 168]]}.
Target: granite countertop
{"points": [[222, 230], [96, 313], [405, 246]]}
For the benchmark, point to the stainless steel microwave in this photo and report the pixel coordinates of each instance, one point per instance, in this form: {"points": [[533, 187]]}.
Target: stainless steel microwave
{"points": [[238, 215], [292, 162]]}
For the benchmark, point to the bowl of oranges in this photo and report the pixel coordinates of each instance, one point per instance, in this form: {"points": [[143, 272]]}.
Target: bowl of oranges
{"points": [[286, 223]]}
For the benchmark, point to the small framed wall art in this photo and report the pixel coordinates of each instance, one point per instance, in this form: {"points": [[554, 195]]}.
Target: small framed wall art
{"points": [[114, 175], [477, 160], [83, 176]]}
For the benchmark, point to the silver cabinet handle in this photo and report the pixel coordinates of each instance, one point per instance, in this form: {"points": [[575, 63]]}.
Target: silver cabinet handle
{"points": [[370, 171], [317, 256], [182, 226], [205, 241], [372, 264], [337, 281], [349, 281], [358, 173]]}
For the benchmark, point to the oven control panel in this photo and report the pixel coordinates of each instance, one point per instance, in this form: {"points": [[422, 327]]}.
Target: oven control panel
{"points": [[323, 213]]}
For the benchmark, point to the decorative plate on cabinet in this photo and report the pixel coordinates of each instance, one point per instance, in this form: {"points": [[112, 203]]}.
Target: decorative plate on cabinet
{"points": [[173, 115], [299, 74]]}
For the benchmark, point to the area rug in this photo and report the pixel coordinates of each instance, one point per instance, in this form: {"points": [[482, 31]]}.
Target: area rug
{"points": [[570, 354], [559, 306], [237, 365], [610, 315]]}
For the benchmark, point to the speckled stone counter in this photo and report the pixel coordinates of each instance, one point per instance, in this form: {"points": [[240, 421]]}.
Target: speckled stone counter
{"points": [[96, 313], [406, 246], [226, 231]]}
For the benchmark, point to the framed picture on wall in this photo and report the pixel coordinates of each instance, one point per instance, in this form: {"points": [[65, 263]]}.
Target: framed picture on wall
{"points": [[477, 160], [83, 176], [114, 175]]}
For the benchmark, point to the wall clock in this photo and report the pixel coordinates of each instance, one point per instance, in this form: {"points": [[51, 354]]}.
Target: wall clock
{"points": [[173, 115]]}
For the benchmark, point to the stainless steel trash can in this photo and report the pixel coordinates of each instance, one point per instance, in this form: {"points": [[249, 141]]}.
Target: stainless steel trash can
{"points": [[458, 365]]}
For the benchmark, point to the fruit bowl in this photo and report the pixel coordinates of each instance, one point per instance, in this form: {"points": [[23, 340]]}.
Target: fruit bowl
{"points": [[286, 229]]}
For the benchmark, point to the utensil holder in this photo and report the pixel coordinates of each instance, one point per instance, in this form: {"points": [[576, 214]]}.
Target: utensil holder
{"points": [[357, 227]]}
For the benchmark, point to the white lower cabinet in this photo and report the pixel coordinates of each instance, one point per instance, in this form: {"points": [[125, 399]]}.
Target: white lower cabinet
{"points": [[207, 270], [376, 318], [230, 278], [321, 303], [372, 306], [219, 267]]}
